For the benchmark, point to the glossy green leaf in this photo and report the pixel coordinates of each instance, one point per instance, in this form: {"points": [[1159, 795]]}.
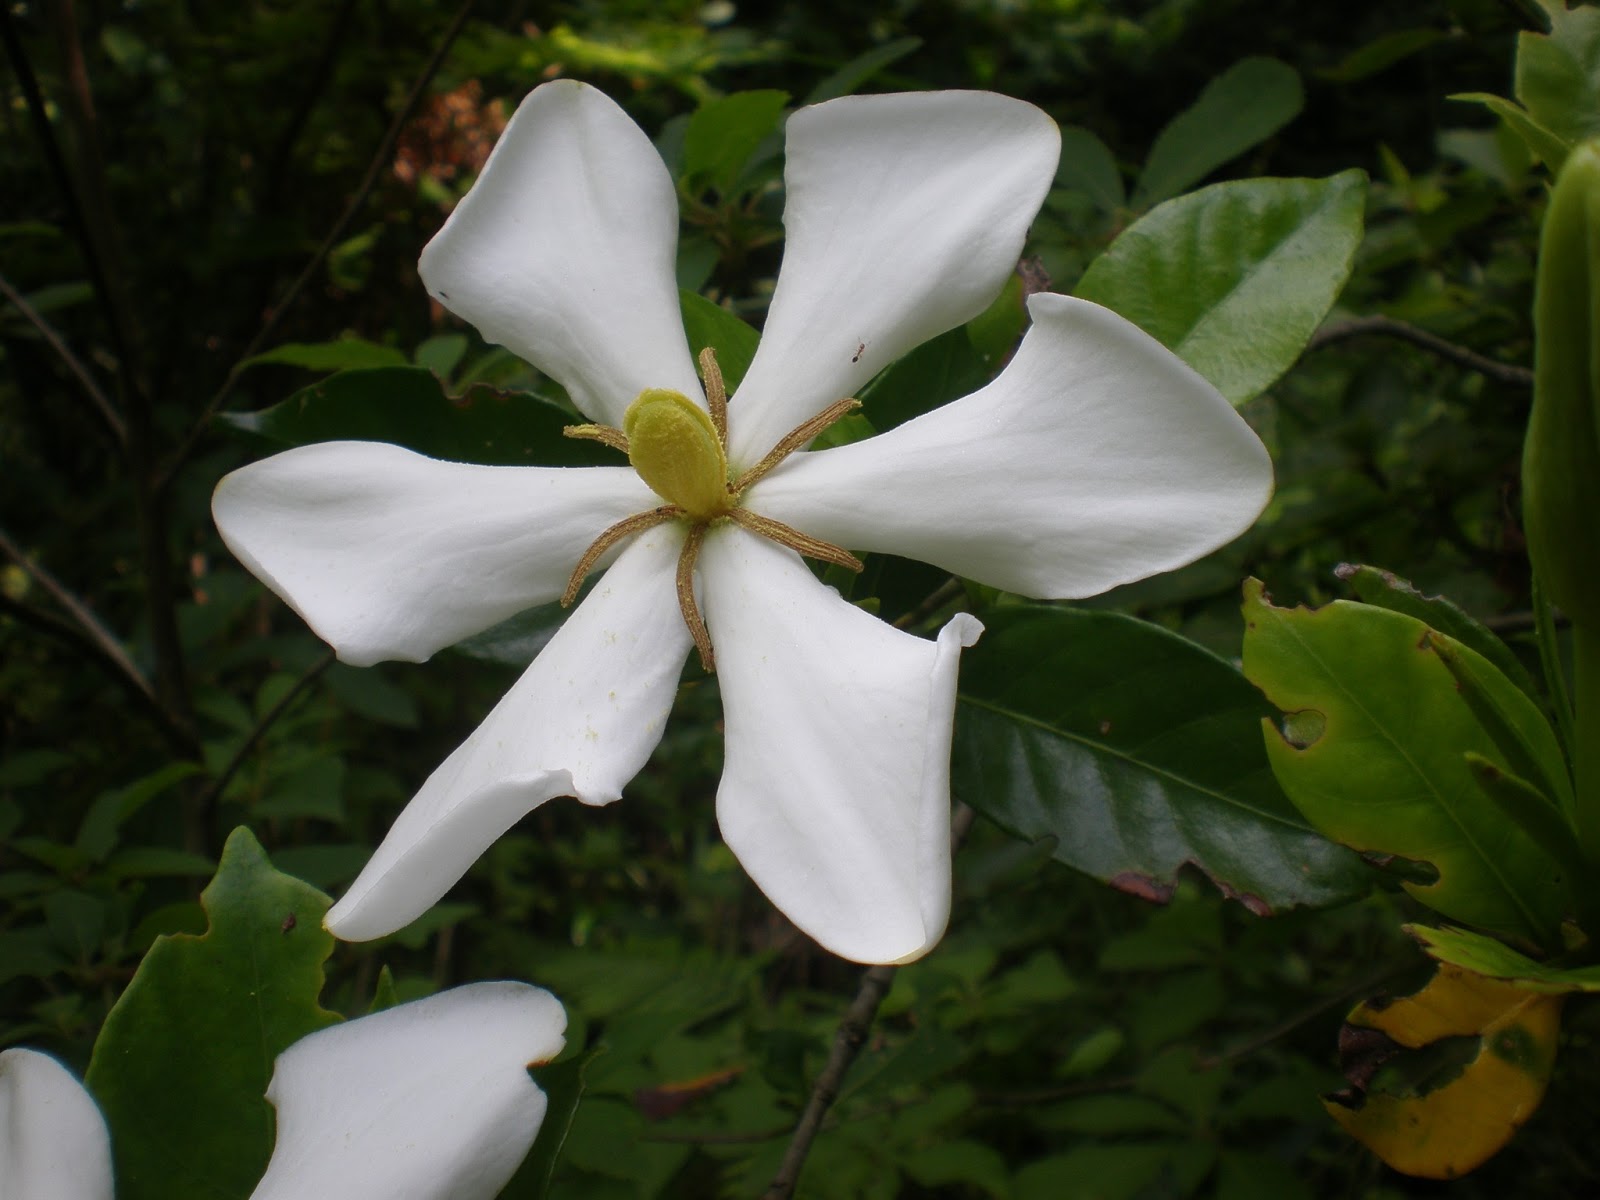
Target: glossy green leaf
{"points": [[1375, 756], [1136, 751], [1088, 166], [1486, 956], [734, 341], [723, 134], [1558, 74], [182, 1063], [1373, 585], [1235, 278], [343, 355], [1240, 108], [408, 407]]}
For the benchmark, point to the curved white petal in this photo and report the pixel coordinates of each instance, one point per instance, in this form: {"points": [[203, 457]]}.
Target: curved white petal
{"points": [[835, 789], [388, 554], [426, 1101], [905, 213], [53, 1140], [1096, 458], [564, 251], [580, 722]]}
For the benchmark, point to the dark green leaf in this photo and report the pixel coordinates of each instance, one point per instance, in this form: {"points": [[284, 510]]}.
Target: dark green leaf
{"points": [[182, 1064], [709, 324], [1087, 166], [1243, 106], [1235, 278], [408, 407], [935, 373], [860, 69], [563, 1084], [1136, 751], [346, 354], [1381, 53], [723, 134]]}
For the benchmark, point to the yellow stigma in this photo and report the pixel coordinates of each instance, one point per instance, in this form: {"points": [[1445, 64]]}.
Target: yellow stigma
{"points": [[675, 448]]}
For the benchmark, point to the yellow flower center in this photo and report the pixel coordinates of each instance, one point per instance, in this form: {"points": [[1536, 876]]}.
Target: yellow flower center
{"points": [[679, 450], [676, 450]]}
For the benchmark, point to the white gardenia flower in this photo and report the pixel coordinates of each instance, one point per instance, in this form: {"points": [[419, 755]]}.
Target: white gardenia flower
{"points": [[1096, 458], [429, 1100]]}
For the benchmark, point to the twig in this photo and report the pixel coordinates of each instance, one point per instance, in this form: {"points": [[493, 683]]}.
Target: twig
{"points": [[39, 114], [101, 402], [96, 200], [936, 600], [103, 640], [1381, 326], [368, 181], [219, 783], [847, 1043]]}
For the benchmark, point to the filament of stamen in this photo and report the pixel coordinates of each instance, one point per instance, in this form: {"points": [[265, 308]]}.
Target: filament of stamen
{"points": [[627, 527], [794, 439], [788, 535], [614, 438], [686, 600], [716, 393]]}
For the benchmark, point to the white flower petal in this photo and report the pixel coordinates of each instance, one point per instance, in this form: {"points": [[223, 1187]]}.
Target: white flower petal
{"points": [[835, 790], [905, 213], [580, 722], [564, 252], [426, 1101], [388, 554], [1096, 458], [53, 1140]]}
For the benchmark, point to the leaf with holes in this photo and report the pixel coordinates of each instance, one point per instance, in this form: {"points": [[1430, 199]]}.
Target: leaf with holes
{"points": [[1375, 754], [1442, 1079], [1136, 751]]}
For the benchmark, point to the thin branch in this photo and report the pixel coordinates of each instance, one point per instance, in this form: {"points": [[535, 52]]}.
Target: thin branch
{"points": [[95, 197], [39, 114], [1381, 326], [380, 158], [95, 638], [847, 1043], [102, 402], [219, 783]]}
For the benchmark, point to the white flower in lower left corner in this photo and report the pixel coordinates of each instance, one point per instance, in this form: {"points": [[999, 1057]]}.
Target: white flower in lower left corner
{"points": [[429, 1100]]}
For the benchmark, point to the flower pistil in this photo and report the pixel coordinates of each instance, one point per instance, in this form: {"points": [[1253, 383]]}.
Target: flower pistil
{"points": [[680, 450]]}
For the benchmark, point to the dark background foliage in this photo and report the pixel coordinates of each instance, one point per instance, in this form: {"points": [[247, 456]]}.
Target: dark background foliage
{"points": [[217, 180]]}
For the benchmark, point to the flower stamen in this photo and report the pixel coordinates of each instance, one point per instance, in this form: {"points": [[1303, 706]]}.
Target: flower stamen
{"points": [[624, 528], [788, 535], [716, 393], [686, 601], [794, 439], [610, 436]]}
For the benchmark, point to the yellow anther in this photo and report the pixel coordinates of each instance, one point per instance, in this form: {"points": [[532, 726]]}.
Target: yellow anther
{"points": [[675, 448]]}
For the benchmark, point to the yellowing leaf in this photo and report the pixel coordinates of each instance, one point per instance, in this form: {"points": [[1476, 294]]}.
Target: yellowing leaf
{"points": [[1447, 1120]]}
